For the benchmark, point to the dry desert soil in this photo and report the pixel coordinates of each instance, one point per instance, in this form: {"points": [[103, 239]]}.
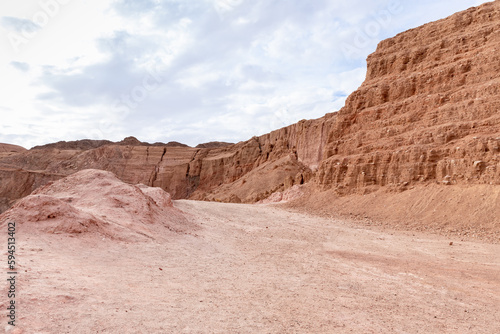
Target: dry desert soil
{"points": [[256, 269]]}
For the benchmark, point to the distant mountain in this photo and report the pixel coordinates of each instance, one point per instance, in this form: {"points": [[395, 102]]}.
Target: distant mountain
{"points": [[214, 144], [88, 144]]}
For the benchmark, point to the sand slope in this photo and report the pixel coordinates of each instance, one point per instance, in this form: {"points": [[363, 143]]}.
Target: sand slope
{"points": [[94, 201]]}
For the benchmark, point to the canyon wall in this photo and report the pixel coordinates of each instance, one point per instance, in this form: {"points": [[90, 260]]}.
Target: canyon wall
{"points": [[428, 112], [287, 155]]}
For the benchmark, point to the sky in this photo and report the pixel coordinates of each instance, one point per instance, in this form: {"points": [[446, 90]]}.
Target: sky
{"points": [[191, 71]]}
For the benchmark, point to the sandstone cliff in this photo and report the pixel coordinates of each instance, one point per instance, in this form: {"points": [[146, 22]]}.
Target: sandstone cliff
{"points": [[427, 111], [182, 171]]}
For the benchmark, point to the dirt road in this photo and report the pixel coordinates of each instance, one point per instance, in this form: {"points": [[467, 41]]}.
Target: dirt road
{"points": [[257, 269]]}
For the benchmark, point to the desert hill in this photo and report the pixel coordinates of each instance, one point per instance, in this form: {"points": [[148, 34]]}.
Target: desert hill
{"points": [[88, 144], [213, 144], [96, 202], [8, 149], [426, 117]]}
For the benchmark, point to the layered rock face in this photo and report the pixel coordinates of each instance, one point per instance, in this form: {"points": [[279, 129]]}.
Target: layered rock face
{"points": [[184, 172], [253, 170], [427, 112]]}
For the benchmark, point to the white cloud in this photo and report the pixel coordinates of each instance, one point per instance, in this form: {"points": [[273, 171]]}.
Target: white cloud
{"points": [[24, 67], [19, 25]]}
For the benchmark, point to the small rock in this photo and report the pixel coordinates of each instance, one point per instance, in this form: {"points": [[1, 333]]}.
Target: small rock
{"points": [[234, 199], [478, 164]]}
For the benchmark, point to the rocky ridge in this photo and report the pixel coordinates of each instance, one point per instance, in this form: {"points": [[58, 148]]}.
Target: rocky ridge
{"points": [[8, 150], [88, 144]]}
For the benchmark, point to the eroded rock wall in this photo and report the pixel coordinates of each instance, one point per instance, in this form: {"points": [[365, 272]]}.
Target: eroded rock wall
{"points": [[428, 110]]}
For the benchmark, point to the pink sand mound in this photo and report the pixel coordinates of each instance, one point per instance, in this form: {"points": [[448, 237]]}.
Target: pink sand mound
{"points": [[97, 201]]}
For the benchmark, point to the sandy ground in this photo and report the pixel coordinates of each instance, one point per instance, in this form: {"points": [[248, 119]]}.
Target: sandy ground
{"points": [[256, 269]]}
